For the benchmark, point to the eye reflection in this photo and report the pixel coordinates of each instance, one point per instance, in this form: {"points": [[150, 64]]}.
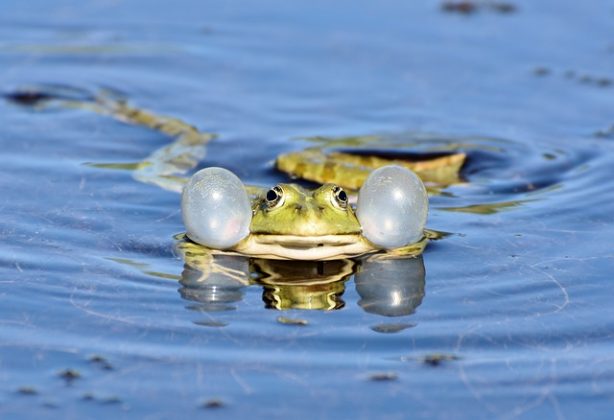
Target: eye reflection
{"points": [[391, 288], [214, 284]]}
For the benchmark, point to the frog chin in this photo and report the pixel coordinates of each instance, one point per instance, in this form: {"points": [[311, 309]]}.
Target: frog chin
{"points": [[293, 247]]}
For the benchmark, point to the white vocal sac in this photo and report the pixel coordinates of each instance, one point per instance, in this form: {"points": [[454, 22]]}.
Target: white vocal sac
{"points": [[215, 208], [392, 207]]}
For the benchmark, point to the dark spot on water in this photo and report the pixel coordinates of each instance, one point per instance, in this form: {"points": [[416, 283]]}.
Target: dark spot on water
{"points": [[437, 359], [468, 7], [88, 396], [27, 390], [211, 323], [292, 321], [101, 362], [214, 403], [383, 376], [112, 400], [35, 95], [549, 156], [503, 7], [541, 71], [27, 97], [392, 328], [69, 375], [602, 82], [463, 7]]}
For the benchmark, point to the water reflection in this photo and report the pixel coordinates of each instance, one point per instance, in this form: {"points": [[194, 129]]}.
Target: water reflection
{"points": [[214, 283], [391, 287], [303, 284], [387, 287]]}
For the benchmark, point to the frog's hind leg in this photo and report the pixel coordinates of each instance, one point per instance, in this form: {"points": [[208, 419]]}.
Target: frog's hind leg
{"points": [[166, 167]]}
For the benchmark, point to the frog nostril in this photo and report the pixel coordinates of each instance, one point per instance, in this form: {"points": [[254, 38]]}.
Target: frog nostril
{"points": [[298, 208]]}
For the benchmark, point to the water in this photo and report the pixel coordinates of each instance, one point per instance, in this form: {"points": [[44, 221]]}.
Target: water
{"points": [[518, 297]]}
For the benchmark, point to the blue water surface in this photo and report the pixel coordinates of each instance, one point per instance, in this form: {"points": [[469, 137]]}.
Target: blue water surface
{"points": [[517, 299]]}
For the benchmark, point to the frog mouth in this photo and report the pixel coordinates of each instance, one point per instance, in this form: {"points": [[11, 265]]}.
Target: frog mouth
{"points": [[297, 241], [322, 247]]}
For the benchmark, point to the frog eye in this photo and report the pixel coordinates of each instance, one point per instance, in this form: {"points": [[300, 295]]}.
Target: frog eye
{"points": [[392, 207], [215, 208], [340, 197], [274, 197]]}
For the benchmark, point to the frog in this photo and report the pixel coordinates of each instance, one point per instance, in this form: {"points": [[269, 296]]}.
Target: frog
{"points": [[286, 221], [291, 222]]}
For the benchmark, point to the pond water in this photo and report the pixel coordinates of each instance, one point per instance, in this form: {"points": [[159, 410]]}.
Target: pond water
{"points": [[508, 316]]}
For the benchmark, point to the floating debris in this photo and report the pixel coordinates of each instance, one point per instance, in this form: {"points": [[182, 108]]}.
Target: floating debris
{"points": [[211, 323], [27, 390], [436, 359], [432, 359], [100, 361], [541, 71], [292, 321], [88, 396], [383, 376], [69, 375], [392, 328], [603, 82], [214, 403], [111, 400], [27, 97], [467, 7]]}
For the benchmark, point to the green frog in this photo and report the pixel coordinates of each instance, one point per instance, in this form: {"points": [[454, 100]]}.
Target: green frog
{"points": [[350, 215], [291, 222]]}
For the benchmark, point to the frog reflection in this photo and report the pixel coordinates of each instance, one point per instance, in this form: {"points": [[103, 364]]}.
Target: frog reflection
{"points": [[388, 287], [303, 284]]}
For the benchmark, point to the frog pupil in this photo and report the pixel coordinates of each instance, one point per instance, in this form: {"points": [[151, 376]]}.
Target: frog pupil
{"points": [[271, 195], [342, 196]]}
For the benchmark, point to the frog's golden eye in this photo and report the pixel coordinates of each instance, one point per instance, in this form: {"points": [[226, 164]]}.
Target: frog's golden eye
{"points": [[274, 197], [340, 197]]}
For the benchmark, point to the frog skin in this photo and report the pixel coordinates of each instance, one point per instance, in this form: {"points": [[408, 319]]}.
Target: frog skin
{"points": [[303, 224]]}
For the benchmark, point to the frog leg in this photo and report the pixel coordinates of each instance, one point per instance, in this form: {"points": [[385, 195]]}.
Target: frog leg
{"points": [[350, 171], [409, 251], [166, 167]]}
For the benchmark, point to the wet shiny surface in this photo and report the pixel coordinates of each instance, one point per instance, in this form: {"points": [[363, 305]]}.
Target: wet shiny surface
{"points": [[517, 299]]}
